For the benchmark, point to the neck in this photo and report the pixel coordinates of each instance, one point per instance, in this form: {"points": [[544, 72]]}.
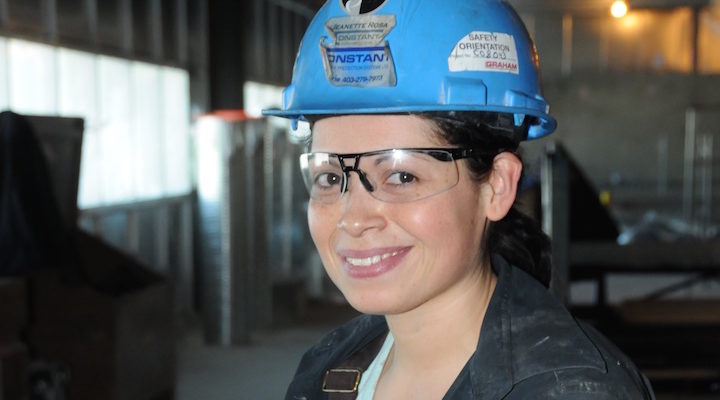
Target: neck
{"points": [[444, 330]]}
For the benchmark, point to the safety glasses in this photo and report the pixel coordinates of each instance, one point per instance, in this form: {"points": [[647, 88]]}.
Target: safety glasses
{"points": [[392, 175]]}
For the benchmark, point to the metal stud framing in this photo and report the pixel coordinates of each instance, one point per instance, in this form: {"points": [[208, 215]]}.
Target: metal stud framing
{"points": [[3, 13], [277, 28], [50, 30]]}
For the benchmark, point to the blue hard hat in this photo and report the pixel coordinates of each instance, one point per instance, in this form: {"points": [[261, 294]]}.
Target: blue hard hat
{"points": [[393, 56]]}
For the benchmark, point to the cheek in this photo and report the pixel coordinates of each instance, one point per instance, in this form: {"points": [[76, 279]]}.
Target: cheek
{"points": [[322, 223], [437, 226], [449, 227], [317, 223]]}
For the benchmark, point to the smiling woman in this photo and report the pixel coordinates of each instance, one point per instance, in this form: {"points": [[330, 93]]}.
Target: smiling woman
{"points": [[413, 174], [391, 257]]}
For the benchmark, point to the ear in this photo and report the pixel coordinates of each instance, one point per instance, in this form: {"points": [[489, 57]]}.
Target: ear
{"points": [[503, 182]]}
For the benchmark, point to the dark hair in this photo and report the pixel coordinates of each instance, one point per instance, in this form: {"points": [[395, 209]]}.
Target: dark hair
{"points": [[516, 237]]}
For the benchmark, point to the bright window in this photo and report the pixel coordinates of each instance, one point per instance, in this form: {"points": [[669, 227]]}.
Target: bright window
{"points": [[4, 97], [77, 97], [146, 131], [258, 96], [32, 77], [76, 85], [137, 119], [175, 115], [113, 151]]}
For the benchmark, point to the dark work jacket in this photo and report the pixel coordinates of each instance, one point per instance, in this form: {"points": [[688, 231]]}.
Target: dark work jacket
{"points": [[530, 347]]}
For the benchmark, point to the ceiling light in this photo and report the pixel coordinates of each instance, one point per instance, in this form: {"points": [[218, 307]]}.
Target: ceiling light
{"points": [[619, 9]]}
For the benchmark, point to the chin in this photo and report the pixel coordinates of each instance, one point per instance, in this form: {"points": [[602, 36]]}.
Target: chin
{"points": [[373, 304], [367, 308]]}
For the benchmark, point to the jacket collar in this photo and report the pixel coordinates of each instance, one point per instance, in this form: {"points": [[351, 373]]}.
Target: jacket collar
{"points": [[330, 351], [526, 332]]}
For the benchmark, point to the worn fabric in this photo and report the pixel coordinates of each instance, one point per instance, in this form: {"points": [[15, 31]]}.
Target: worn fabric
{"points": [[530, 347]]}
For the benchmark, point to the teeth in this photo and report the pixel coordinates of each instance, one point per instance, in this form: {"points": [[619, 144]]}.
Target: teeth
{"points": [[366, 262]]}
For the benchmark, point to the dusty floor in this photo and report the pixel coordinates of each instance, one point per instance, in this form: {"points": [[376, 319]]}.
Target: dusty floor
{"points": [[258, 371]]}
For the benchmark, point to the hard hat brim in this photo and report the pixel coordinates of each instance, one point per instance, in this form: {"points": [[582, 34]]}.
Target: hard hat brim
{"points": [[544, 126]]}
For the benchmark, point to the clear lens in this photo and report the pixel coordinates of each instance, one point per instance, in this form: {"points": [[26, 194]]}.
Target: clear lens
{"points": [[391, 175], [323, 175]]}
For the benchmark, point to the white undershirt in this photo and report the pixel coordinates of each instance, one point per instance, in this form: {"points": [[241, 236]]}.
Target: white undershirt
{"points": [[370, 378]]}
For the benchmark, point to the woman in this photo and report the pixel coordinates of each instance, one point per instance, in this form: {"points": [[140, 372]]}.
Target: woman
{"points": [[417, 110]]}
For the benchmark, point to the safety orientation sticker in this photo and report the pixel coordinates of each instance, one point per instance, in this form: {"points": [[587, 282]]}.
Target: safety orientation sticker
{"points": [[358, 54], [485, 51]]}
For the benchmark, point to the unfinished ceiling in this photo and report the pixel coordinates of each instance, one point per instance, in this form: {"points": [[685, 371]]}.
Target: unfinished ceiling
{"points": [[592, 6], [578, 6]]}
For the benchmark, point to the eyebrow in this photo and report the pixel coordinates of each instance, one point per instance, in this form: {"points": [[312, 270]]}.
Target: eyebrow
{"points": [[381, 159], [333, 160]]}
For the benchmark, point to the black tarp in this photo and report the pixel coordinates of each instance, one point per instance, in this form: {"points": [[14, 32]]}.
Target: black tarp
{"points": [[32, 234]]}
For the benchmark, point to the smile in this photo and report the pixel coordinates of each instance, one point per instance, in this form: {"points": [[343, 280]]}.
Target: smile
{"points": [[372, 263], [368, 261]]}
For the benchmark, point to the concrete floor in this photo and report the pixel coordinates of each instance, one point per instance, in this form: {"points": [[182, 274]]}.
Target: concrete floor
{"points": [[260, 371]]}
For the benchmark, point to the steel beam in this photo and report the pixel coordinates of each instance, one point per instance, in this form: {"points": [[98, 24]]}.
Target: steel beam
{"points": [[555, 198]]}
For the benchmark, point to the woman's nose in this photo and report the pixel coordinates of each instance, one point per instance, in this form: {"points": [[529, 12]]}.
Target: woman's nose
{"points": [[361, 212]]}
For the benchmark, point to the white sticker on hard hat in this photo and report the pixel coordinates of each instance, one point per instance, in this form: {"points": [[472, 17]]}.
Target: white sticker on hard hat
{"points": [[357, 54], [485, 51], [360, 31]]}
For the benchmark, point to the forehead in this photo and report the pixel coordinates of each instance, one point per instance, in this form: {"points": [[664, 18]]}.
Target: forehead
{"points": [[361, 133]]}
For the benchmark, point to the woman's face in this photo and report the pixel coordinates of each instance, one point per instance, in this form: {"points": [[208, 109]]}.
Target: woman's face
{"points": [[391, 258]]}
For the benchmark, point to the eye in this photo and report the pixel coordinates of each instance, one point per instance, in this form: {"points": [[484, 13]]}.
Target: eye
{"points": [[401, 178], [327, 180]]}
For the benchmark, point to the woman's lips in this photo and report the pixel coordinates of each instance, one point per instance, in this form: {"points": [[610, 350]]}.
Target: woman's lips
{"points": [[372, 263]]}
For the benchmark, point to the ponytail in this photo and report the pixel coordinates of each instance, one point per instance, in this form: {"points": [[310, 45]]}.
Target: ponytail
{"points": [[517, 237]]}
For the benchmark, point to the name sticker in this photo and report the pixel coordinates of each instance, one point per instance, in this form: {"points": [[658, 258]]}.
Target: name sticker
{"points": [[485, 51], [358, 54]]}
